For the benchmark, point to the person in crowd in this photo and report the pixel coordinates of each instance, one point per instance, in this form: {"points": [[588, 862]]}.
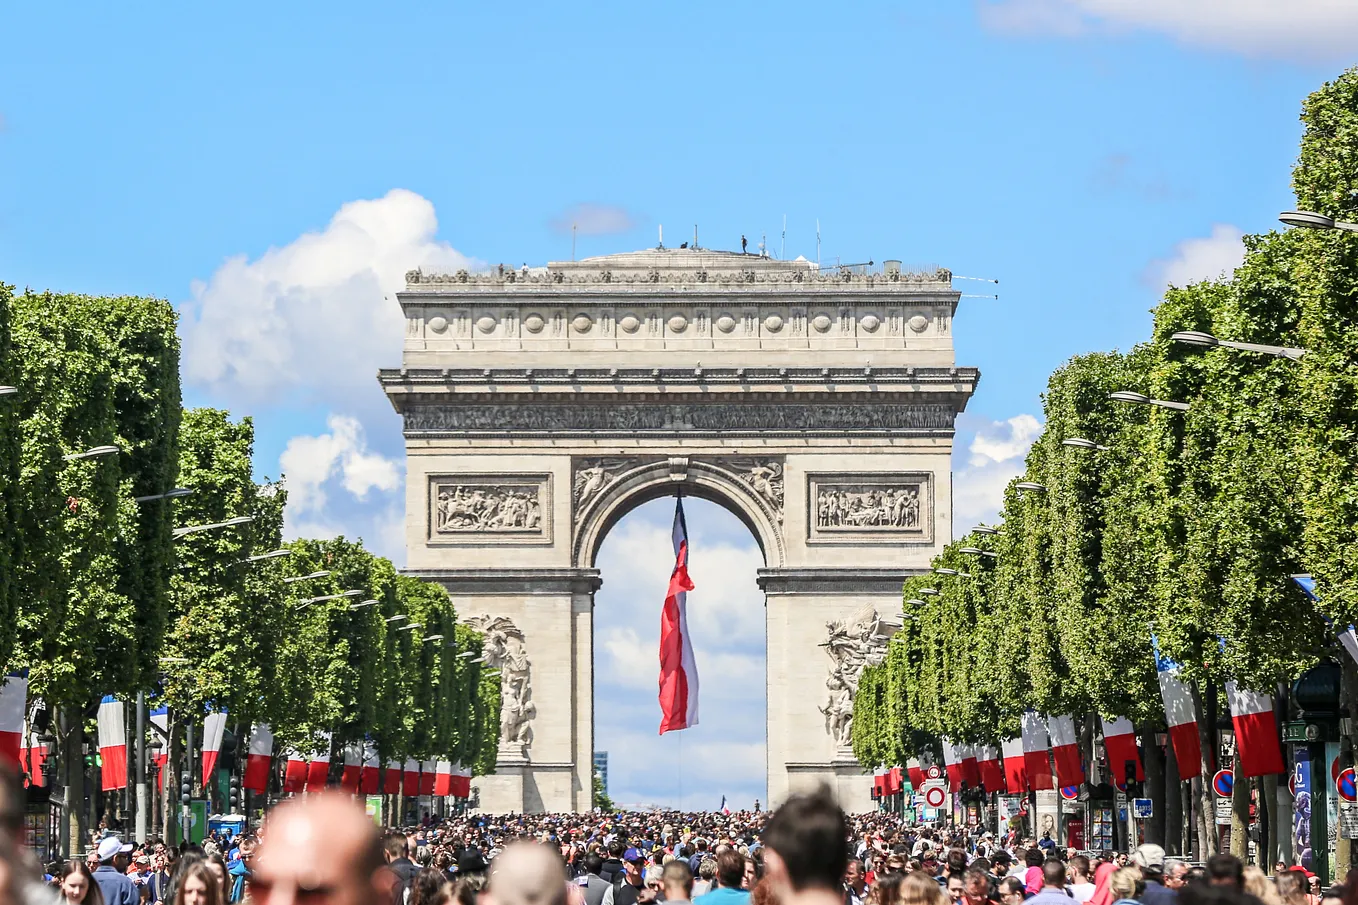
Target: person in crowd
{"points": [[612, 868], [1011, 891], [117, 889], [751, 873], [396, 852], [707, 875], [198, 885], [78, 886], [629, 890], [1032, 876], [1176, 874], [805, 855], [1078, 879], [217, 865], [592, 884], [1127, 886], [527, 873], [855, 883], [1225, 869], [321, 850], [1053, 891], [430, 886], [762, 894], [1257, 883], [1150, 858], [730, 881], [975, 886], [676, 882], [1291, 886], [954, 886], [912, 889]]}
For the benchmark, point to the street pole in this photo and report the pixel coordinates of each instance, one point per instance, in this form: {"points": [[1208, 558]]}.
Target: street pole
{"points": [[188, 772], [143, 804]]}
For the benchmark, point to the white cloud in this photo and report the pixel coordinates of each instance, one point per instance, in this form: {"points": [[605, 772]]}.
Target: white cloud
{"points": [[312, 321], [1198, 259], [994, 458], [1306, 31], [309, 463], [593, 220]]}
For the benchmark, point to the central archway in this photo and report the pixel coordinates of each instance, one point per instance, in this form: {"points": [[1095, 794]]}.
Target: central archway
{"points": [[725, 755]]}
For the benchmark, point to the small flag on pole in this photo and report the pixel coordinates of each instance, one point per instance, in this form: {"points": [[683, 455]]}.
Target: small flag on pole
{"points": [[113, 743]]}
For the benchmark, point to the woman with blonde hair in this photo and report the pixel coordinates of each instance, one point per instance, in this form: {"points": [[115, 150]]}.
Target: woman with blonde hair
{"points": [[1291, 886], [1258, 884], [1127, 886], [918, 888]]}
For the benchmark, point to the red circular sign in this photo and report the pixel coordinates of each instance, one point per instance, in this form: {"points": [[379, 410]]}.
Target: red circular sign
{"points": [[1347, 785], [934, 796], [1070, 793], [1292, 785], [935, 771]]}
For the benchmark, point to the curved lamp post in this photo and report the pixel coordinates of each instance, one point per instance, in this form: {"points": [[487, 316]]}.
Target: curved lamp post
{"points": [[1198, 338], [1032, 486], [397, 618], [94, 452], [1082, 443], [296, 578], [1312, 220], [172, 494], [1143, 399], [359, 606], [977, 551], [943, 571], [915, 601], [229, 523], [9, 391], [986, 530], [929, 592], [273, 554]]}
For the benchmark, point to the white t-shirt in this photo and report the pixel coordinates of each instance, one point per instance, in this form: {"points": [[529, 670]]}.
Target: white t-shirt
{"points": [[1081, 892]]}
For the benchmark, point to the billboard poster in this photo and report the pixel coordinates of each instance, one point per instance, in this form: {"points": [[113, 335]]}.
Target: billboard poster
{"points": [[1301, 806]]}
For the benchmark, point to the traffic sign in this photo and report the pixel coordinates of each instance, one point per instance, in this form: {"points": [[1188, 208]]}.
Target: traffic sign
{"points": [[1141, 808], [935, 771], [1223, 783], [934, 795], [1070, 793], [1347, 785], [1292, 784]]}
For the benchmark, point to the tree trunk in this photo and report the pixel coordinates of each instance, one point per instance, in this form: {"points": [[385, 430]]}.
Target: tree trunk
{"points": [[1174, 804], [1202, 785], [1155, 786], [1240, 811]]}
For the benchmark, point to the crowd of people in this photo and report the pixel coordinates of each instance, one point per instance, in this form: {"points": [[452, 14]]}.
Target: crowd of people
{"points": [[325, 850]]}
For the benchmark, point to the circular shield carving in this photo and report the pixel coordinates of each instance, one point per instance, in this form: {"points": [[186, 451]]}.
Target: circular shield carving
{"points": [[534, 323], [485, 323], [919, 323], [582, 323], [629, 324], [871, 322], [726, 323], [773, 323], [438, 323], [678, 323], [821, 322]]}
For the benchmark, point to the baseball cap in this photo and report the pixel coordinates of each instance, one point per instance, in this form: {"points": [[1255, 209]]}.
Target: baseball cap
{"points": [[1149, 857], [633, 855], [110, 846]]}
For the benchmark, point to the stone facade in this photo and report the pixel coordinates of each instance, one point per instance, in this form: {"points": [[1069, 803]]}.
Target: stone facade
{"points": [[540, 406]]}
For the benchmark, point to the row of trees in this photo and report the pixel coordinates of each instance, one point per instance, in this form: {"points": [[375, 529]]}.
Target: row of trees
{"points": [[1182, 525], [100, 595]]}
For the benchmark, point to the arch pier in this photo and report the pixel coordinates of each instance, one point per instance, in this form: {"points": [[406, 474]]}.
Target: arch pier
{"points": [[540, 406]]}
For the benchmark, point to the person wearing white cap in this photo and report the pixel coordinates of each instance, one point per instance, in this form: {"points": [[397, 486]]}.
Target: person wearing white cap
{"points": [[113, 883]]}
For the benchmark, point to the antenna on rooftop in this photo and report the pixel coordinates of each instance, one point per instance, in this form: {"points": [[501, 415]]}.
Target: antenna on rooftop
{"points": [[818, 243], [573, 241], [695, 235], [782, 247], [662, 236]]}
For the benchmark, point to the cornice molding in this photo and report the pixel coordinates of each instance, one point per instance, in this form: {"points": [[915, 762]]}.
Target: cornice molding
{"points": [[512, 582], [826, 581]]}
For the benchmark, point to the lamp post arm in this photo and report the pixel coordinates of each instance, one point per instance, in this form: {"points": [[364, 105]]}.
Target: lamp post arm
{"points": [[1279, 351]]}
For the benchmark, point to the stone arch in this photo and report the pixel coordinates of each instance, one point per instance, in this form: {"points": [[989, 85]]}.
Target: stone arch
{"points": [[719, 482]]}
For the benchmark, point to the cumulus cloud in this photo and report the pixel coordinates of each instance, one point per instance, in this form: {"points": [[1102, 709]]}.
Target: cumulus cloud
{"points": [[1306, 31], [593, 220], [1197, 259], [312, 321], [993, 459]]}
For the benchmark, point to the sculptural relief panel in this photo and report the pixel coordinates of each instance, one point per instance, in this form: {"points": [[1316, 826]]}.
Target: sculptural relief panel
{"points": [[870, 508], [852, 643], [484, 509]]}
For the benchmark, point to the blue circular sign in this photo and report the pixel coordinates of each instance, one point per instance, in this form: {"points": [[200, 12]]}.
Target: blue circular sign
{"points": [[1223, 783], [1070, 793], [1348, 786]]}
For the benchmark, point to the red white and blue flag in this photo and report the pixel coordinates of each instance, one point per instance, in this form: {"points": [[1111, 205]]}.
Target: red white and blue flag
{"points": [[462, 781], [352, 775], [1015, 766], [992, 773], [678, 670], [214, 729], [1065, 743], [113, 743], [1180, 716], [259, 760], [318, 771], [13, 708], [1035, 760], [1119, 740], [1256, 731], [160, 719]]}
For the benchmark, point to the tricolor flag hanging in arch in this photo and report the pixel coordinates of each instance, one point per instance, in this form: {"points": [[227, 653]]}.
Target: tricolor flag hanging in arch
{"points": [[410, 778], [428, 776], [443, 778], [462, 781], [391, 778], [678, 669], [1348, 637], [1065, 743], [318, 772], [1015, 766], [160, 720], [352, 775], [113, 743], [370, 780], [992, 774], [294, 773]]}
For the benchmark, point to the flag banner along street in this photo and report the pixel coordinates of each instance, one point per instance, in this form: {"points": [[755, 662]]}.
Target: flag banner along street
{"points": [[13, 708], [113, 743], [214, 728], [1015, 766], [1035, 758], [1179, 716], [1256, 732], [1119, 741], [1070, 770], [259, 760]]}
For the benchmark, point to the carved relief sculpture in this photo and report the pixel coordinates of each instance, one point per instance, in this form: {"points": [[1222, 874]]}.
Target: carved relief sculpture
{"points": [[867, 506], [592, 476], [504, 649], [764, 476], [487, 508], [853, 643]]}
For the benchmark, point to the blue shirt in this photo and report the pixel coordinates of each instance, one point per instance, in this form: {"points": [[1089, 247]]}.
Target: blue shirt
{"points": [[724, 896], [116, 887]]}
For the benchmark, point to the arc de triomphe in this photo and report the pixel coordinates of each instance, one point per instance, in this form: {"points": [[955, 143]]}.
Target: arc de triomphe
{"points": [[540, 406]]}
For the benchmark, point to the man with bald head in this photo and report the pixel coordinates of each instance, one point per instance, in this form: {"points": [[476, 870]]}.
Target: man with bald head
{"points": [[526, 873], [320, 850]]}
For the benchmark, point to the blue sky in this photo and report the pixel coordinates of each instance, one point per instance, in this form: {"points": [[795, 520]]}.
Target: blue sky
{"points": [[275, 168]]}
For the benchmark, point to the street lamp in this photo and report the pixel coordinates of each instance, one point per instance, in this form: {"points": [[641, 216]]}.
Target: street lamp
{"points": [[1143, 399], [428, 638], [1312, 220], [93, 452], [231, 522], [174, 659], [1031, 485], [943, 571], [296, 578], [273, 554], [397, 618], [466, 654], [172, 494], [8, 391], [986, 530], [1082, 443], [929, 592], [1198, 338], [359, 606], [411, 627], [915, 601], [977, 551]]}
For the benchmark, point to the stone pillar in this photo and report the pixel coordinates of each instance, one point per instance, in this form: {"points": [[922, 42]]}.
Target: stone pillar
{"points": [[802, 754]]}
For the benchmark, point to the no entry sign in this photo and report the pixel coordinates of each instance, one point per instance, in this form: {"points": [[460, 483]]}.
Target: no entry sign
{"points": [[934, 796], [1223, 783]]}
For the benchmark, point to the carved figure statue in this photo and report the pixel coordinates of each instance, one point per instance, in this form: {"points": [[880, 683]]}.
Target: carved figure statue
{"points": [[889, 506], [592, 476], [504, 650], [483, 507], [852, 643]]}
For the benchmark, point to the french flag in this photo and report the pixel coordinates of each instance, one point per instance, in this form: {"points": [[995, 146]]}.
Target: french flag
{"points": [[295, 772], [678, 669], [318, 773], [427, 777], [259, 760], [1179, 716], [1065, 742], [1256, 731], [1119, 740], [915, 769], [971, 770], [370, 782], [952, 765], [352, 777], [33, 759], [391, 782], [13, 708], [214, 727], [1348, 637], [462, 781], [160, 718], [1035, 744], [113, 743], [410, 779], [992, 774], [1015, 766], [443, 778]]}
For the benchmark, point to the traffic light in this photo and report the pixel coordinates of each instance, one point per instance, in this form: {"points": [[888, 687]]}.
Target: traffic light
{"points": [[235, 795], [186, 790]]}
